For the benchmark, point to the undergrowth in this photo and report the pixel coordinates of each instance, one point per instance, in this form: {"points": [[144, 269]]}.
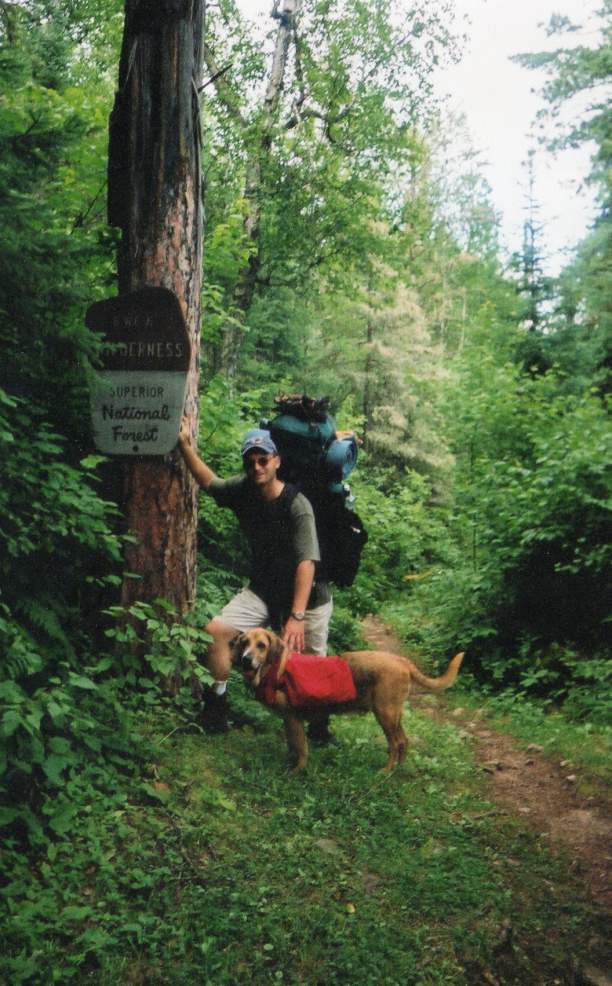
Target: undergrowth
{"points": [[576, 729], [210, 864], [556, 677]]}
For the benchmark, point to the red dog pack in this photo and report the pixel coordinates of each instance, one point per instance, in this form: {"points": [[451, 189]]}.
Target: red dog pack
{"points": [[309, 679]]}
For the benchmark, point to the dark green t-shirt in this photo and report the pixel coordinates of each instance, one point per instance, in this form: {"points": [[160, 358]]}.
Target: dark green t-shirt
{"points": [[281, 533]]}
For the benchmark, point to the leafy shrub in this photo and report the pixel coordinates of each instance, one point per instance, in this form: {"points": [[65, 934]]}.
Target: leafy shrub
{"points": [[59, 552], [344, 630], [55, 534], [408, 536], [151, 639], [531, 525]]}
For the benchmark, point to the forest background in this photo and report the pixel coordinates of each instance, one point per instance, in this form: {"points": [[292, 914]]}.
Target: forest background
{"points": [[343, 256]]}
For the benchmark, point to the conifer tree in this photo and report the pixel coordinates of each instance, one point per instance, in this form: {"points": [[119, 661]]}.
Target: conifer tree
{"points": [[154, 198]]}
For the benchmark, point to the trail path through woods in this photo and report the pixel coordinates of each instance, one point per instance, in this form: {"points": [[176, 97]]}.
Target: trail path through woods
{"points": [[544, 793]]}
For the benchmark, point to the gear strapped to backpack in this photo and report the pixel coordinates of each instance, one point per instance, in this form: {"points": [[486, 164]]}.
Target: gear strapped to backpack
{"points": [[316, 461]]}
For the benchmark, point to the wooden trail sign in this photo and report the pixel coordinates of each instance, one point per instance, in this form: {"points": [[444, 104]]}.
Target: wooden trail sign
{"points": [[138, 396]]}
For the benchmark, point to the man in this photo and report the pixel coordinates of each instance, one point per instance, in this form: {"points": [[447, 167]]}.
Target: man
{"points": [[283, 589]]}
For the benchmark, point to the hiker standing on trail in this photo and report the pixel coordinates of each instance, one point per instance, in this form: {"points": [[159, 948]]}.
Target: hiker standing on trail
{"points": [[283, 590]]}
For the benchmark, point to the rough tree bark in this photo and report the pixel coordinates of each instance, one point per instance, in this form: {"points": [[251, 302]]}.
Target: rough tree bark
{"points": [[154, 197]]}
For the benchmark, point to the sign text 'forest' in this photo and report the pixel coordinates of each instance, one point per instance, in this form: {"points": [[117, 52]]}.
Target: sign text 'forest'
{"points": [[137, 398]]}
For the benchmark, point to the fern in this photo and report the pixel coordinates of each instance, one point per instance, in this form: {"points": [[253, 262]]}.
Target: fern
{"points": [[21, 655], [44, 613]]}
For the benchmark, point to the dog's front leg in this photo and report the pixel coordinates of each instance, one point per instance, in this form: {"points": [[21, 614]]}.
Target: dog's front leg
{"points": [[296, 741]]}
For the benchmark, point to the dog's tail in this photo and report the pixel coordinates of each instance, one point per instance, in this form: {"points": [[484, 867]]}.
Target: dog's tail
{"points": [[444, 681]]}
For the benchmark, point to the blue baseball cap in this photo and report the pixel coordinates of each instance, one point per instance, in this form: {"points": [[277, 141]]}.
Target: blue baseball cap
{"points": [[258, 438]]}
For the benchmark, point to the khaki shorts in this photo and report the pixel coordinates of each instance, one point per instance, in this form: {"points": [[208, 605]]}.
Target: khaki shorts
{"points": [[247, 611]]}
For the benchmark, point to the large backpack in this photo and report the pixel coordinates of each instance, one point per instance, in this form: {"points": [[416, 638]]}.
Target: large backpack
{"points": [[317, 462]]}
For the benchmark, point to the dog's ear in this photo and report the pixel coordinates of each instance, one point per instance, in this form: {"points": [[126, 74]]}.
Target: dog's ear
{"points": [[235, 646], [278, 651]]}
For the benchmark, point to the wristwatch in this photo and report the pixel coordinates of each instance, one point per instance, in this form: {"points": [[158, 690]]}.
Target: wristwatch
{"points": [[298, 615]]}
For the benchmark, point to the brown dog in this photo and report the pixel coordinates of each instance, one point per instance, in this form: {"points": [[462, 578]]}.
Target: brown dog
{"points": [[382, 682]]}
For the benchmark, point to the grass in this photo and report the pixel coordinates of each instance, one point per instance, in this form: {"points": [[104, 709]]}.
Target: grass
{"points": [[219, 867]]}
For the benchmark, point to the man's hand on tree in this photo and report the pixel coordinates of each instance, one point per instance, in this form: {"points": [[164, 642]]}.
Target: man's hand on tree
{"points": [[184, 437]]}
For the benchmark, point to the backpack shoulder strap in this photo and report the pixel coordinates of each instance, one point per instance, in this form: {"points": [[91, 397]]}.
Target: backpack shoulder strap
{"points": [[289, 494]]}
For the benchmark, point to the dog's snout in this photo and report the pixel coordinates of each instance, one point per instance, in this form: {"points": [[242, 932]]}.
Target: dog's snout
{"points": [[245, 662]]}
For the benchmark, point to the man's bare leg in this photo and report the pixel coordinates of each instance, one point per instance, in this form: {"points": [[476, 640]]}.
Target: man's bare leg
{"points": [[218, 662]]}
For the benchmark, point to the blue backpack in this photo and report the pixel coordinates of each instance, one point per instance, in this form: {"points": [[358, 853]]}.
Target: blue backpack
{"points": [[316, 462]]}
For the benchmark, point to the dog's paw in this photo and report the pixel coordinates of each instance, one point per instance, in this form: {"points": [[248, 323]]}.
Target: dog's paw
{"points": [[298, 768]]}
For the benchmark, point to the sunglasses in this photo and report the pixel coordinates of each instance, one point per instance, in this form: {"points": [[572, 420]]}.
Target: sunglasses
{"points": [[257, 460]]}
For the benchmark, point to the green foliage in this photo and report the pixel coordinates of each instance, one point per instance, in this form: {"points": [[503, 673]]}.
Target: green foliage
{"points": [[151, 638], [531, 521], [52, 143], [407, 536], [60, 553], [300, 157], [344, 628], [483, 482], [49, 733], [55, 535], [582, 343], [581, 69], [214, 864], [576, 92], [68, 42]]}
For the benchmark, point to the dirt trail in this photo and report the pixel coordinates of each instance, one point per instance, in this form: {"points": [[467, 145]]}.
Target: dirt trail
{"points": [[529, 785]]}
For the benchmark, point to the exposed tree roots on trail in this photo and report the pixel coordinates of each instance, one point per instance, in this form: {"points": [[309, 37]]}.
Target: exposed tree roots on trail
{"points": [[523, 782]]}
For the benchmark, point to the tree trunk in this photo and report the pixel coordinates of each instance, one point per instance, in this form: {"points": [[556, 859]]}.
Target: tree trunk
{"points": [[367, 381], [154, 197], [368, 369]]}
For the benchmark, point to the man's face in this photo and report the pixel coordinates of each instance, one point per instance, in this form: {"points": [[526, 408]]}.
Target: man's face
{"points": [[261, 467]]}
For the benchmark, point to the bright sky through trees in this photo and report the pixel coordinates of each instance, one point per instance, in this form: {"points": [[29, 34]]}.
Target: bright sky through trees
{"points": [[500, 103]]}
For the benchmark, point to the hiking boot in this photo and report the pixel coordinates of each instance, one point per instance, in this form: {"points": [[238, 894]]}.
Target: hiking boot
{"points": [[215, 711], [217, 715]]}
